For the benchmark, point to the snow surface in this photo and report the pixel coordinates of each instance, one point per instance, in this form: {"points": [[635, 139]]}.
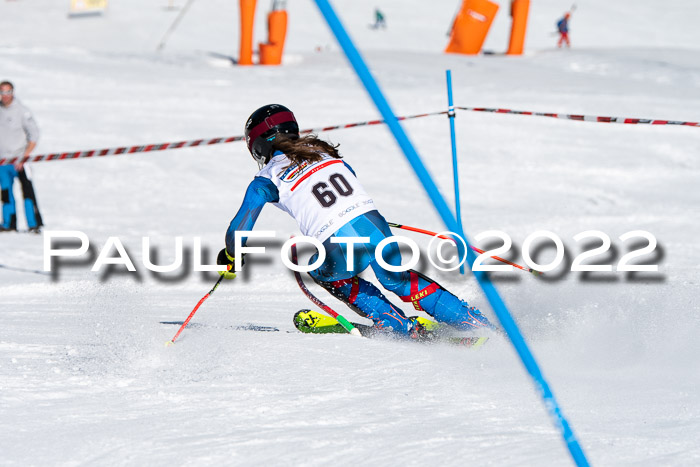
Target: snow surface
{"points": [[84, 375]]}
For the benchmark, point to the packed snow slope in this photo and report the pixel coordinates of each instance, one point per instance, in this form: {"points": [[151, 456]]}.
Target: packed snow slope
{"points": [[84, 375]]}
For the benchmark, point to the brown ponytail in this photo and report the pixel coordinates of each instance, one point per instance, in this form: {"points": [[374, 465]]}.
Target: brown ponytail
{"points": [[307, 148]]}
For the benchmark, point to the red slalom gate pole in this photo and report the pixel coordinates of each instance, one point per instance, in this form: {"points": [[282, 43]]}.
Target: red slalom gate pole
{"points": [[184, 325], [478, 250]]}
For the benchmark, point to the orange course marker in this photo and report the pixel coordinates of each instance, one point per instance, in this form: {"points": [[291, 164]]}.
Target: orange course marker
{"points": [[471, 26], [271, 52]]}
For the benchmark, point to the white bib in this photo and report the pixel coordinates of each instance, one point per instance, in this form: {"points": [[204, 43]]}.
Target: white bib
{"points": [[322, 196]]}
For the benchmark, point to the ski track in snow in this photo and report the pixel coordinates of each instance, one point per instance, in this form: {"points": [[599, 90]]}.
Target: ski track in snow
{"points": [[85, 377]]}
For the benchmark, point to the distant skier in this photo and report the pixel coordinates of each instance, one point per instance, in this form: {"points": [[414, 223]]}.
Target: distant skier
{"points": [[18, 137], [563, 28], [306, 177], [379, 20]]}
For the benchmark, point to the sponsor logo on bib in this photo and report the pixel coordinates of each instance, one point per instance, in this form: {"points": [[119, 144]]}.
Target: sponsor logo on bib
{"points": [[293, 172]]}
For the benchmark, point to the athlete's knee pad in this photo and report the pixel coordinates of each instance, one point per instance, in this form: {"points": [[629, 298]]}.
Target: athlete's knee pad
{"points": [[429, 296], [5, 196], [419, 288]]}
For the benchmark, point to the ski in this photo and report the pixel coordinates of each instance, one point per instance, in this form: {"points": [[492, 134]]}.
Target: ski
{"points": [[31, 271], [244, 327], [313, 322]]}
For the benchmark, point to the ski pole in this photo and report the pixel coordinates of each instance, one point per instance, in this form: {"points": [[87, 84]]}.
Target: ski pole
{"points": [[478, 250], [33, 271], [174, 25], [172, 341], [341, 319]]}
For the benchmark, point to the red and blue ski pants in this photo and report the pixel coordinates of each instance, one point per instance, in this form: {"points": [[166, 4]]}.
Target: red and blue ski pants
{"points": [[363, 297]]}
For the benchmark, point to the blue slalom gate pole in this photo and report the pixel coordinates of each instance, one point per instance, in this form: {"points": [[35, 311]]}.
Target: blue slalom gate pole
{"points": [[455, 171], [440, 204]]}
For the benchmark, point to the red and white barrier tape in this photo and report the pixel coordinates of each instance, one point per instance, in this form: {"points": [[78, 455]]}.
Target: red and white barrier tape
{"points": [[118, 151], [584, 118], [182, 144], [202, 142]]}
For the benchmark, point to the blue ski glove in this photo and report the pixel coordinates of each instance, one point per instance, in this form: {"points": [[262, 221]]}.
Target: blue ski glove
{"points": [[227, 260]]}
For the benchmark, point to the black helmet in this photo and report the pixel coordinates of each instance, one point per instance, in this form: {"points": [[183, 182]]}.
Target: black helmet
{"points": [[264, 125]]}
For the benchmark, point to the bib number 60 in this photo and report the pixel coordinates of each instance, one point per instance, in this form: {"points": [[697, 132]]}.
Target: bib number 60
{"points": [[327, 196]]}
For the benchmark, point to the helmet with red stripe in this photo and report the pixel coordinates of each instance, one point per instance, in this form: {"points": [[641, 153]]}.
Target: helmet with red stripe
{"points": [[264, 125]]}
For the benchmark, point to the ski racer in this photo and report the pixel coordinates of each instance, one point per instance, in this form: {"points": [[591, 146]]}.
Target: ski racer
{"points": [[306, 177]]}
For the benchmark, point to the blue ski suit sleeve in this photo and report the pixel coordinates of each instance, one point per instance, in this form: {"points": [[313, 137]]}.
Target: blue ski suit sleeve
{"points": [[260, 191]]}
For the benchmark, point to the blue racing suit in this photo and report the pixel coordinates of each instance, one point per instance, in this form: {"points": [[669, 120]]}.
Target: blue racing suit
{"points": [[361, 295]]}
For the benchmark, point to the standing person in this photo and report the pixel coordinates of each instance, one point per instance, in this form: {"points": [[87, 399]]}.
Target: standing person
{"points": [[563, 27], [379, 20], [19, 134], [306, 177]]}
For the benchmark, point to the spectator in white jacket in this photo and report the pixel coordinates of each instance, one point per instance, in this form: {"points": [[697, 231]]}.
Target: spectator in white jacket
{"points": [[19, 134]]}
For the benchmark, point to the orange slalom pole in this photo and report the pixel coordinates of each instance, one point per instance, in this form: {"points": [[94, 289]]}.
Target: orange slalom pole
{"points": [[247, 7], [478, 250], [519, 10]]}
